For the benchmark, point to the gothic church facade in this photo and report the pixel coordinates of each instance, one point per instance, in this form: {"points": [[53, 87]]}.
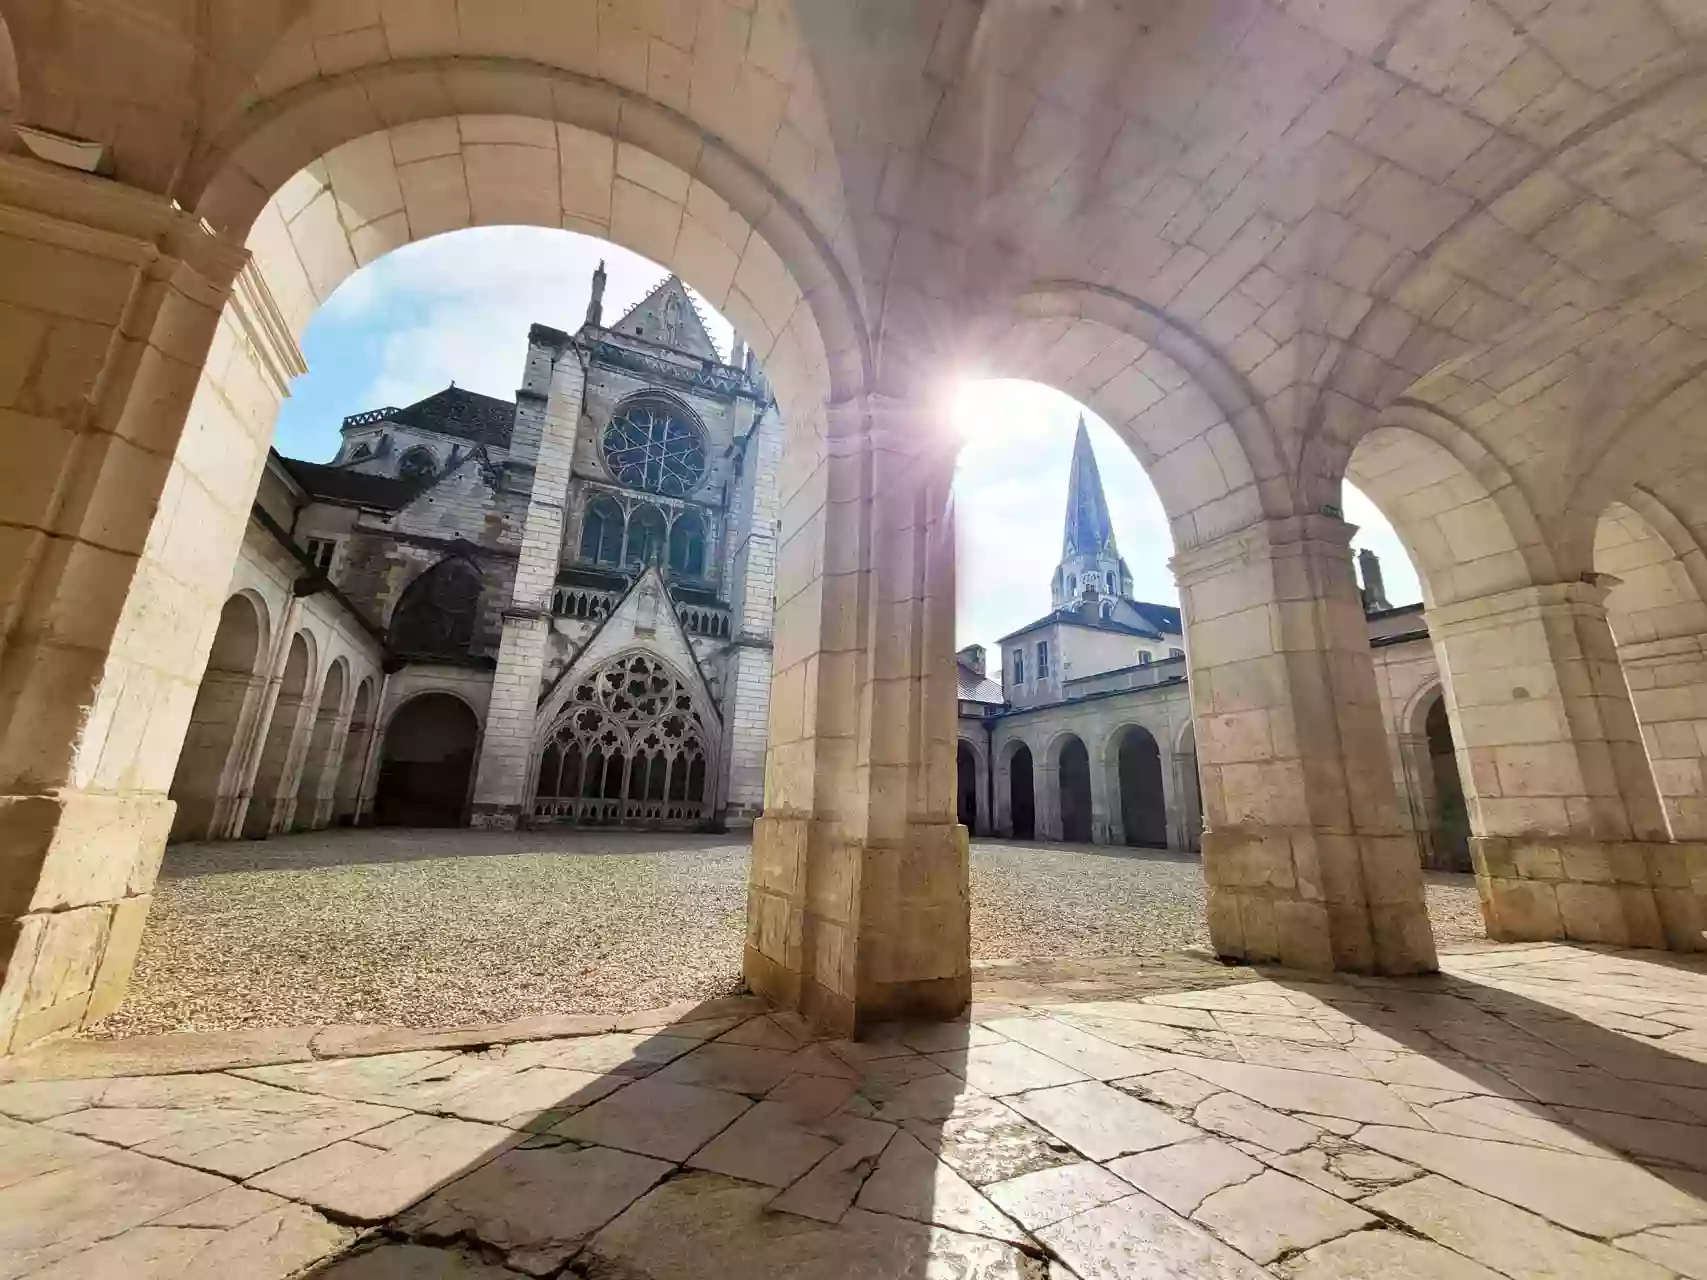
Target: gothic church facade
{"points": [[501, 613]]}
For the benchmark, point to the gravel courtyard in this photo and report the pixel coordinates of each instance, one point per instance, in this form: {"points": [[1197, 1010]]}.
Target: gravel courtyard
{"points": [[439, 928]]}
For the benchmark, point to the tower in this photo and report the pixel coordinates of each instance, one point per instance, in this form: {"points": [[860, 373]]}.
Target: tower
{"points": [[1090, 565]]}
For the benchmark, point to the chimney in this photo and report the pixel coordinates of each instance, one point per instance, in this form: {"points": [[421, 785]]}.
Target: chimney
{"points": [[596, 303], [972, 656], [1374, 590]]}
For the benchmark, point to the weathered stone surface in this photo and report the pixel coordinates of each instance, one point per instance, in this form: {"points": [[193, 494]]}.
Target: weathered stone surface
{"points": [[1683, 1249], [766, 1145], [1515, 1243], [1286, 1090], [732, 1067], [1185, 1174], [1137, 1239], [1006, 1068], [827, 1192], [624, 1052], [1037, 1199], [1381, 1255], [514, 1100], [69, 1197], [161, 1054], [1099, 1122], [1273, 1214], [1078, 1049], [46, 1099], [219, 1122], [366, 1184], [413, 1262], [707, 1226], [984, 1140], [536, 1206], [272, 1246], [656, 1118], [1172, 1088], [910, 1182], [1600, 1197], [228, 1207], [1233, 1116]]}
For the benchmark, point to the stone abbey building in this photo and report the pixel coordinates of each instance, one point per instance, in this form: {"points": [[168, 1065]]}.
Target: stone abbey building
{"points": [[449, 623], [1087, 735]]}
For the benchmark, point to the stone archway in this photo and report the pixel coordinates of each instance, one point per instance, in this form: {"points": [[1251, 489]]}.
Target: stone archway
{"points": [[320, 763], [358, 744], [1143, 801], [1022, 794], [1073, 784], [204, 783], [426, 763], [273, 798], [966, 785]]}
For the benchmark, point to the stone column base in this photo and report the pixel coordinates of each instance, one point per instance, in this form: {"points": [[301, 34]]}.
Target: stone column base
{"points": [[1266, 907], [495, 817], [76, 873], [850, 933], [1621, 893]]}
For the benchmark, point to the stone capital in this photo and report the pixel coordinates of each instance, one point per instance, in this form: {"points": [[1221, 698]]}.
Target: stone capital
{"points": [[109, 219], [1318, 533]]}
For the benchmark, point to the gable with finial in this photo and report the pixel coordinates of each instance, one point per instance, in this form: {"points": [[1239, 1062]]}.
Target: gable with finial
{"points": [[668, 317]]}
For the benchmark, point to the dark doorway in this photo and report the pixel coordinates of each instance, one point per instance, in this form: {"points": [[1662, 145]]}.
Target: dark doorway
{"points": [[966, 776], [1022, 805], [425, 764], [1143, 806], [1451, 818], [1075, 779]]}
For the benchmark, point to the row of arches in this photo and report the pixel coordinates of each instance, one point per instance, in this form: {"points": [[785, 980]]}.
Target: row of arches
{"points": [[263, 755], [1125, 799], [634, 538]]}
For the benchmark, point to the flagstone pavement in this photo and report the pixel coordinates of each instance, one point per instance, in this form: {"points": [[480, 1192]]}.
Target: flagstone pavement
{"points": [[1535, 1111]]}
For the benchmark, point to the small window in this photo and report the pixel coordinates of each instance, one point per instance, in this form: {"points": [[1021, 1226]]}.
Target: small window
{"points": [[1019, 666], [1111, 582], [1043, 659], [1176, 653], [1108, 610], [361, 453], [321, 551], [1143, 657], [1072, 585], [418, 464]]}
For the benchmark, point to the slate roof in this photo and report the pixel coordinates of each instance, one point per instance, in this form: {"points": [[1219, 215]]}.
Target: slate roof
{"points": [[456, 411], [1149, 621], [1088, 530], [972, 687], [350, 488]]}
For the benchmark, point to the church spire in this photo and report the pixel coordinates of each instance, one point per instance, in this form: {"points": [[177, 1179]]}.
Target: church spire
{"points": [[1089, 531]]}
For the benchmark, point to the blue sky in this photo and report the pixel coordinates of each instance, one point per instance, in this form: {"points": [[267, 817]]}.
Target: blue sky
{"points": [[457, 308]]}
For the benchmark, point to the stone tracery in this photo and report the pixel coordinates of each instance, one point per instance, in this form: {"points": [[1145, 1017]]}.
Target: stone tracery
{"points": [[629, 746]]}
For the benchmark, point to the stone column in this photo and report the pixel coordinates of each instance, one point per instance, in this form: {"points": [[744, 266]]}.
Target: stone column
{"points": [[1668, 688], [1569, 835], [1306, 860], [117, 533], [858, 905], [752, 596], [1105, 800], [502, 783]]}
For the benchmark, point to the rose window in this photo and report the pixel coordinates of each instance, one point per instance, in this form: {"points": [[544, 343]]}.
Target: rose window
{"points": [[651, 445]]}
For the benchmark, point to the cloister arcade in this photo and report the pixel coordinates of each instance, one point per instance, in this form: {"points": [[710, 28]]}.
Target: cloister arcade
{"points": [[1274, 245]]}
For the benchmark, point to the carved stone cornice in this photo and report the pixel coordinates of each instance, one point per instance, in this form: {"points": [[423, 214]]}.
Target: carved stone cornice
{"points": [[265, 327], [718, 380]]}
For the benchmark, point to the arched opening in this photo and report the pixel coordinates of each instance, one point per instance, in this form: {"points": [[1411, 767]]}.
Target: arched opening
{"points": [[426, 763], [204, 780], [1449, 819], [1073, 779], [346, 808], [1143, 804], [646, 538], [439, 612], [601, 532], [417, 465], [687, 545], [274, 797], [966, 785], [1022, 800], [320, 763]]}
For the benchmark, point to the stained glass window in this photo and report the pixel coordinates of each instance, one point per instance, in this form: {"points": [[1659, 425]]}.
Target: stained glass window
{"points": [[649, 445]]}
